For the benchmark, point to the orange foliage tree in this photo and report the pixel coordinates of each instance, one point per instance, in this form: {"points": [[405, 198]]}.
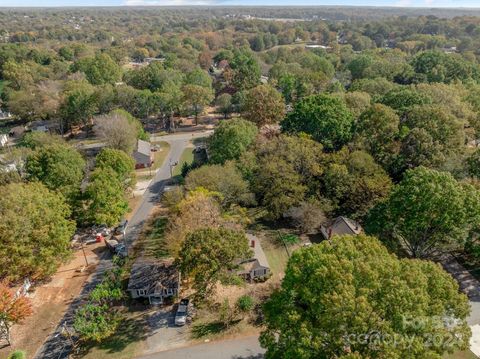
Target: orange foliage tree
{"points": [[13, 309]]}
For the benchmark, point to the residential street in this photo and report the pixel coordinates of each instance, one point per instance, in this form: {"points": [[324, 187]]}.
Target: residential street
{"points": [[57, 345], [242, 348]]}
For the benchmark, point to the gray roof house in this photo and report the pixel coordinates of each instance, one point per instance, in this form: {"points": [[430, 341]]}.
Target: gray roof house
{"points": [[256, 268], [154, 279], [340, 226], [143, 154]]}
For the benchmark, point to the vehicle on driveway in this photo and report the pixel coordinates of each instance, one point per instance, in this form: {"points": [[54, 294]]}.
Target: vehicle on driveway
{"points": [[120, 250], [182, 312]]}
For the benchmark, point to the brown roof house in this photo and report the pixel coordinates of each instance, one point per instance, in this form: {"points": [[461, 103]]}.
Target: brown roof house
{"points": [[255, 268], [154, 279], [143, 154], [341, 226]]}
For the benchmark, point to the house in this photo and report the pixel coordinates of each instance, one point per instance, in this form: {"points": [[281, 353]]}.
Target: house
{"points": [[143, 154], [154, 279], [255, 268], [340, 226]]}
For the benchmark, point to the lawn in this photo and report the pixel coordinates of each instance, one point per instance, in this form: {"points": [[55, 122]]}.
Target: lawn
{"points": [[187, 156], [126, 343], [154, 244], [161, 155], [276, 253]]}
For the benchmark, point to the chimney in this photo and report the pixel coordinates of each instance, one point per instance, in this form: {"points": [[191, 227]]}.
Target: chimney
{"points": [[252, 243]]}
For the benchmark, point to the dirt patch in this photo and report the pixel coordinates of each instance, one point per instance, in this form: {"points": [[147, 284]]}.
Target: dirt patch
{"points": [[51, 300]]}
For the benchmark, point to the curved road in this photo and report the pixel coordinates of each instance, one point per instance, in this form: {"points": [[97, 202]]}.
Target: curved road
{"points": [[57, 346]]}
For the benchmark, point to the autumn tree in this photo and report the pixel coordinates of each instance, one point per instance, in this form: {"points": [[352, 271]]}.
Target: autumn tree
{"points": [[264, 105], [196, 98], [336, 302], [209, 252], [324, 117], [427, 213], [35, 231], [226, 180], [230, 139], [13, 309]]}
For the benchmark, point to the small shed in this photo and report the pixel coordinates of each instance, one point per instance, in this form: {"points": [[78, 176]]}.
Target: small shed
{"points": [[143, 154], [341, 226], [154, 279], [256, 268]]}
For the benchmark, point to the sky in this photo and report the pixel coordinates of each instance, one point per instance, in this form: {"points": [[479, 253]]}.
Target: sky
{"points": [[397, 3]]}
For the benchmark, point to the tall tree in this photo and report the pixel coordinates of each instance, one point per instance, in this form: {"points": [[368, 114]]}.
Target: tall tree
{"points": [[197, 97], [264, 105], [59, 166], [230, 139], [428, 213], [324, 117], [246, 70], [35, 231], [100, 69], [336, 301], [122, 164], [104, 197], [209, 252], [117, 131]]}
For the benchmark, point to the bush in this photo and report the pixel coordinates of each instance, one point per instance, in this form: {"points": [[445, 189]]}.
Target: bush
{"points": [[245, 303], [17, 354]]}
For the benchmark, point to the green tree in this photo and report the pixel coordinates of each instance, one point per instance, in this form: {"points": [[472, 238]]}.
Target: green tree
{"points": [[59, 166], [79, 103], [355, 184], [246, 70], [104, 198], [336, 302], [264, 105], [199, 77], [226, 180], [230, 139], [35, 231], [224, 104], [196, 98], [95, 322], [100, 69], [122, 164], [377, 130], [427, 213], [209, 252], [324, 117], [403, 99]]}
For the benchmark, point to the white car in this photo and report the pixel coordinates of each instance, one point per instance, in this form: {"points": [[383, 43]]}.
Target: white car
{"points": [[182, 312]]}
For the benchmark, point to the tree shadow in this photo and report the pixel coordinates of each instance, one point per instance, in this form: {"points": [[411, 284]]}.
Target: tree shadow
{"points": [[207, 329]]}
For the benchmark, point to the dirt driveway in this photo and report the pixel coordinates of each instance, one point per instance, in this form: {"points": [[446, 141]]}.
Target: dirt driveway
{"points": [[50, 301]]}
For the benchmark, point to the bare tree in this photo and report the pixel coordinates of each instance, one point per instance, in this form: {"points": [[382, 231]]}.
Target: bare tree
{"points": [[307, 217], [116, 131]]}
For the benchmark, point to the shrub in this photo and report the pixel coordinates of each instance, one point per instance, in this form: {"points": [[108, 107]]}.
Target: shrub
{"points": [[245, 303]]}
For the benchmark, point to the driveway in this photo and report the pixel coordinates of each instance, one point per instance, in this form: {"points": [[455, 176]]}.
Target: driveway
{"points": [[241, 348], [57, 346]]}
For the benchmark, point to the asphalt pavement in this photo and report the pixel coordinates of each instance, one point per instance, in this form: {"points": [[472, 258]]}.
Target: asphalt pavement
{"points": [[240, 348]]}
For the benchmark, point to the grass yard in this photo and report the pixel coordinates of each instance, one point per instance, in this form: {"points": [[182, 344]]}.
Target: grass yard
{"points": [[187, 156], [154, 242], [161, 155], [276, 253], [126, 343], [461, 355]]}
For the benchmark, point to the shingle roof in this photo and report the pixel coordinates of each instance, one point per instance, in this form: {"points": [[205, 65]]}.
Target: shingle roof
{"points": [[144, 147], [153, 275]]}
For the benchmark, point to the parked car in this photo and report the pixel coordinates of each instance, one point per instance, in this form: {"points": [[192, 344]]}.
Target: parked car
{"points": [[120, 250], [122, 227], [111, 244], [182, 312]]}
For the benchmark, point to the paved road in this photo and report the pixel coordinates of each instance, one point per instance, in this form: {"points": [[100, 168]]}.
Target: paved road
{"points": [[57, 346], [242, 348]]}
